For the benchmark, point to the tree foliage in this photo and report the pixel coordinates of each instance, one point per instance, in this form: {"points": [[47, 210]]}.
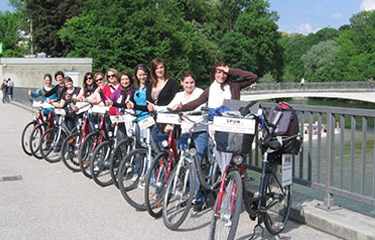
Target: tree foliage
{"points": [[11, 37], [47, 18]]}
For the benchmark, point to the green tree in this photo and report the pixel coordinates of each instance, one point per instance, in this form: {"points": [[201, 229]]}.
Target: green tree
{"points": [[254, 42], [11, 36], [126, 33], [320, 62], [47, 17]]}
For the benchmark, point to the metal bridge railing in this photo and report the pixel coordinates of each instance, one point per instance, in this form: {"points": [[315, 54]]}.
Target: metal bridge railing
{"points": [[308, 86], [338, 153]]}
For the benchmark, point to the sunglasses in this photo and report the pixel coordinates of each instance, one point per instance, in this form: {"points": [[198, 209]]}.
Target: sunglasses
{"points": [[99, 80], [89, 78], [110, 75]]}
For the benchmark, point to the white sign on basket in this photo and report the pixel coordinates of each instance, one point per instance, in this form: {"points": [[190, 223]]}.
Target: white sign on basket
{"points": [[37, 104], [168, 118], [60, 111], [99, 109], [234, 125], [82, 107], [125, 118], [146, 123], [287, 170]]}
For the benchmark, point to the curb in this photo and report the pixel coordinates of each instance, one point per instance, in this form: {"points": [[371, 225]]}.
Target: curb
{"points": [[341, 222]]}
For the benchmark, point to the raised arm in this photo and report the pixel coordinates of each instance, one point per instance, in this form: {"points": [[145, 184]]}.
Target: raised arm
{"points": [[248, 77]]}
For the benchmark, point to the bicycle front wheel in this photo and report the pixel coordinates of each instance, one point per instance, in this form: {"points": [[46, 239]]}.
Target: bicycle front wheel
{"points": [[86, 152], [119, 154], [100, 164], [156, 182], [35, 139], [227, 209], [178, 197], [276, 204], [51, 143], [131, 178], [25, 137], [69, 152]]}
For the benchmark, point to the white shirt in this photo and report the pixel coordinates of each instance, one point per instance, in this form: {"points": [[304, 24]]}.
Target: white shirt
{"points": [[217, 95]]}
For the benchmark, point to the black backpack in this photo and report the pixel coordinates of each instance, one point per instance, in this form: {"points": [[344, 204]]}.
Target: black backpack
{"points": [[287, 125]]}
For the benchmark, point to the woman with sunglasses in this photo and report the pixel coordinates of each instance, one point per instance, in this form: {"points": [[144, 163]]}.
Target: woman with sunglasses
{"points": [[96, 97], [89, 86]]}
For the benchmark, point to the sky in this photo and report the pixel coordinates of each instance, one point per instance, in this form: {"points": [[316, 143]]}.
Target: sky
{"points": [[304, 16]]}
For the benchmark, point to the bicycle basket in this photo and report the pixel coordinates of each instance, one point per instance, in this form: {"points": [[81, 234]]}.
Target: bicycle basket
{"points": [[234, 135]]}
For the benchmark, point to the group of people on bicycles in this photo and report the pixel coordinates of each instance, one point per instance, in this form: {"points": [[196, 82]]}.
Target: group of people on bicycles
{"points": [[148, 91]]}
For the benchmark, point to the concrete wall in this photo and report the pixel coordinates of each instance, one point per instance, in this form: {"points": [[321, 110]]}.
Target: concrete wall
{"points": [[27, 73]]}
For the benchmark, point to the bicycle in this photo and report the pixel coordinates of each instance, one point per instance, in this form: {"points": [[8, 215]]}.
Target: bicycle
{"points": [[101, 159], [271, 191], [27, 131], [52, 139], [184, 182], [271, 203], [92, 140], [133, 168], [72, 144], [124, 147], [39, 129], [230, 130], [161, 169]]}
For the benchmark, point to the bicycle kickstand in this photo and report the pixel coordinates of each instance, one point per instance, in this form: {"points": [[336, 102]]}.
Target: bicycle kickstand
{"points": [[254, 234]]}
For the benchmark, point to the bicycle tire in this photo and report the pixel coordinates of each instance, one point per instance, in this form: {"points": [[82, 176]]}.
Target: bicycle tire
{"points": [[275, 227], [25, 140], [100, 164], [119, 154], [85, 153], [132, 164], [186, 202], [209, 183], [35, 139], [69, 151], [56, 146], [159, 163], [215, 233]]}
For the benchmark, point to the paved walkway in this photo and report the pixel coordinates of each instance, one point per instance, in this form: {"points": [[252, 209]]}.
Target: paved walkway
{"points": [[50, 202]]}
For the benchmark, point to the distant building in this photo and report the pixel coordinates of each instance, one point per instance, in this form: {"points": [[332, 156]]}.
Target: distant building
{"points": [[27, 73]]}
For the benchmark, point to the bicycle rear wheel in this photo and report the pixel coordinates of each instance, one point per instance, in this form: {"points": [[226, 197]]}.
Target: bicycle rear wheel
{"points": [[69, 152], [276, 204], [100, 164], [119, 154], [178, 197], [155, 184], [35, 138], [227, 210], [131, 178], [25, 137]]}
